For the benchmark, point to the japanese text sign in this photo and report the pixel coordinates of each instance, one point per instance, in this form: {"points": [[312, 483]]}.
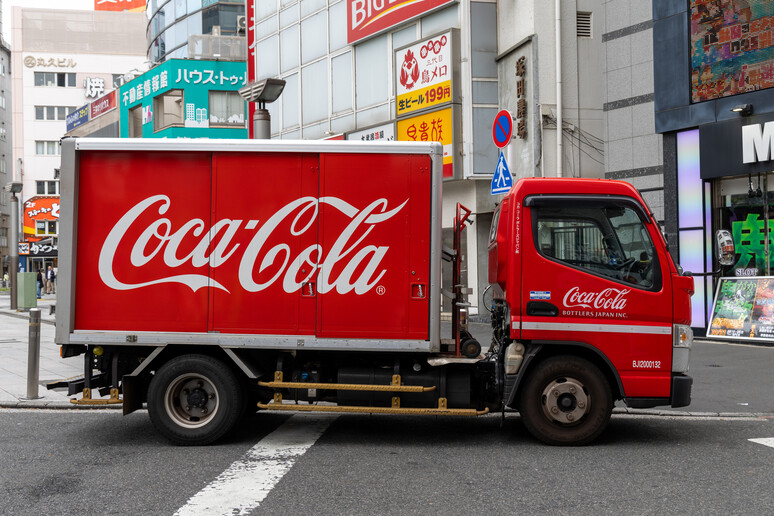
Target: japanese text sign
{"points": [[743, 309], [437, 126], [424, 74], [103, 104], [120, 5]]}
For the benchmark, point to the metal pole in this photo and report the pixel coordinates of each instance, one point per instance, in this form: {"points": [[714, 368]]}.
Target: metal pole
{"points": [[33, 358], [14, 265], [261, 124]]}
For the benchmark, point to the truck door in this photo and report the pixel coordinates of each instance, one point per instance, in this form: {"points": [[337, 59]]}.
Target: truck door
{"points": [[375, 238], [264, 243], [593, 277]]}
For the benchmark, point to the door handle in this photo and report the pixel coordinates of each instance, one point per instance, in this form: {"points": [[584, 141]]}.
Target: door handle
{"points": [[542, 309]]}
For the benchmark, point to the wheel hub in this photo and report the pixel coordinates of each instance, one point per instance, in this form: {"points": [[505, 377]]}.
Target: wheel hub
{"points": [[565, 401], [191, 400]]}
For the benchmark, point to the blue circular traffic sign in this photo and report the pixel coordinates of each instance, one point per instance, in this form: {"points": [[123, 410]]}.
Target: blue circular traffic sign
{"points": [[502, 128]]}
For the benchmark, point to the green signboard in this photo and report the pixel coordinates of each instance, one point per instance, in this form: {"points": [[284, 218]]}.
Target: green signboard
{"points": [[743, 309], [185, 98]]}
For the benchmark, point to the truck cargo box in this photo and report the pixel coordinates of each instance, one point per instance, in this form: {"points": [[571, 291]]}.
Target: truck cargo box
{"points": [[317, 245]]}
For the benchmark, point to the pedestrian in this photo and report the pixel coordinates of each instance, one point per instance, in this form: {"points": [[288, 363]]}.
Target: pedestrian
{"points": [[39, 279], [5, 279], [50, 280]]}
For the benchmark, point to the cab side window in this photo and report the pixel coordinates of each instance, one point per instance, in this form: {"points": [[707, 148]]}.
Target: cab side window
{"points": [[609, 241]]}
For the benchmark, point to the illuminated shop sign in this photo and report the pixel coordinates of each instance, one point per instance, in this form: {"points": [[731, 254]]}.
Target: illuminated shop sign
{"points": [[368, 17]]}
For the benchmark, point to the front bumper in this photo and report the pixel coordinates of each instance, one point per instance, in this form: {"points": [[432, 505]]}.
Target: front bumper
{"points": [[681, 395]]}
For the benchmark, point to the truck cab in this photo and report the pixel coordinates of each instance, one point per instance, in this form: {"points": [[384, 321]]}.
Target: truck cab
{"points": [[589, 302]]}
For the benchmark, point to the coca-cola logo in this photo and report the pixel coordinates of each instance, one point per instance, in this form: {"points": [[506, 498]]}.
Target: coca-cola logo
{"points": [[360, 273], [607, 299]]}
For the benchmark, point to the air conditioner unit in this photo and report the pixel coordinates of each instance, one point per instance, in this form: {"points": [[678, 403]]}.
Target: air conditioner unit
{"points": [[241, 24]]}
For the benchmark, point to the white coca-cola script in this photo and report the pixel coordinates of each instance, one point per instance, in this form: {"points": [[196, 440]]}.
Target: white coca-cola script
{"points": [[607, 299], [277, 260]]}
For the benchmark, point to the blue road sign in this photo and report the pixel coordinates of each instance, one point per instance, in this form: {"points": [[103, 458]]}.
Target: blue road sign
{"points": [[501, 180]]}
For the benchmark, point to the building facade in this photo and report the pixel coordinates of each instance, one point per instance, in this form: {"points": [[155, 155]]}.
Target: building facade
{"points": [[372, 70], [172, 22], [61, 60]]}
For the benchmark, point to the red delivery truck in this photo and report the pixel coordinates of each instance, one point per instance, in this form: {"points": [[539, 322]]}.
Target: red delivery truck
{"points": [[207, 278]]}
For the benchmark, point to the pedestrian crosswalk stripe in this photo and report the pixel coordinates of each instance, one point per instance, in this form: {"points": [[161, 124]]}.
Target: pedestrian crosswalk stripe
{"points": [[765, 441], [244, 485]]}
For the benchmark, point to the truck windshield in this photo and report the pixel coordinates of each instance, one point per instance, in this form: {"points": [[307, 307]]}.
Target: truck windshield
{"points": [[610, 241]]}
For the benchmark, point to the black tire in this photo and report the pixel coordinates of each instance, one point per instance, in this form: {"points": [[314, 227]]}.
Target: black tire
{"points": [[195, 400], [566, 400]]}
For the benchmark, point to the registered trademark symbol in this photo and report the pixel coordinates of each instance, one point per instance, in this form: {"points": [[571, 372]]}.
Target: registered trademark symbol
{"points": [[380, 290]]}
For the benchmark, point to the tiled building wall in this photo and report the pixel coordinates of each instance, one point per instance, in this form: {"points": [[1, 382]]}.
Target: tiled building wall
{"points": [[633, 151]]}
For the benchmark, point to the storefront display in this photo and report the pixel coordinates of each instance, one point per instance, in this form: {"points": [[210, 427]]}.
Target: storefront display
{"points": [[744, 309]]}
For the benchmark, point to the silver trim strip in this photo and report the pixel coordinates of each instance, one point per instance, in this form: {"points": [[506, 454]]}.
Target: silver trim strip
{"points": [[226, 145], [287, 342], [599, 328], [515, 325]]}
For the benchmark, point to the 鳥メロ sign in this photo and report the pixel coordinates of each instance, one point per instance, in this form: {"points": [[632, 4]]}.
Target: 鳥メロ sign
{"points": [[423, 74]]}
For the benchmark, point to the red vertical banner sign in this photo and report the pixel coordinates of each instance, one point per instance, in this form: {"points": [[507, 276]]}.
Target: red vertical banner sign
{"points": [[250, 13]]}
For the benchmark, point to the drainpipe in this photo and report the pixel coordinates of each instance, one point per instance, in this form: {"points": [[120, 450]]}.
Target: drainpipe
{"points": [[559, 122]]}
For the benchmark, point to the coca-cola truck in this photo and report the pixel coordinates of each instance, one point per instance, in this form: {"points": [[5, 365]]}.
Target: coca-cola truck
{"points": [[213, 278]]}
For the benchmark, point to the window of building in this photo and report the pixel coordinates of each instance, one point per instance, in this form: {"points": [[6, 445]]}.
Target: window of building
{"points": [[3, 237], [58, 79], [2, 99], [47, 187], [53, 112], [168, 110], [135, 122], [47, 148], [46, 227], [227, 107]]}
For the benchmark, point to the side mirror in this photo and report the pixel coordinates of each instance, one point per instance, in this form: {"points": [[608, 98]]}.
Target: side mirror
{"points": [[724, 245]]}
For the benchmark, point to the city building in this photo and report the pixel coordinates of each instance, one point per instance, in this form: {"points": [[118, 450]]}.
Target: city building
{"points": [[214, 26], [60, 60], [441, 70], [6, 172]]}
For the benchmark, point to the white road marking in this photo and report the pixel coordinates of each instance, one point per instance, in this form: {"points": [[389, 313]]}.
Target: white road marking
{"points": [[765, 441], [244, 485]]}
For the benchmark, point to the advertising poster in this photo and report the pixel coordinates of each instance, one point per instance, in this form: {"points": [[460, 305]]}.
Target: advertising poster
{"points": [[423, 74], [732, 47], [743, 309]]}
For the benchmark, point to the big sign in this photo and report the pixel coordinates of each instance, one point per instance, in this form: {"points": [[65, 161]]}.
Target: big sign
{"points": [[368, 17]]}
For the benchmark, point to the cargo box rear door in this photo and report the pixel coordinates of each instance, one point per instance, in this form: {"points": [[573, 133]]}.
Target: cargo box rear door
{"points": [[141, 240], [375, 238], [264, 247]]}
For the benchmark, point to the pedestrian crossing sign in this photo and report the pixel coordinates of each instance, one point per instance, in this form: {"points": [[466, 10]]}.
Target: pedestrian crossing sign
{"points": [[502, 180]]}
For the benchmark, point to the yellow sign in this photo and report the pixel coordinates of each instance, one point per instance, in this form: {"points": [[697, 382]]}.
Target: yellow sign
{"points": [[425, 97], [437, 126]]}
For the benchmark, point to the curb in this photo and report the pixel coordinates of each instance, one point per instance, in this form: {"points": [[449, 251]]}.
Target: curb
{"points": [[57, 405], [16, 315]]}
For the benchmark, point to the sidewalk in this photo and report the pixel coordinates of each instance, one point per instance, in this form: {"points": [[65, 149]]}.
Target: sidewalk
{"points": [[14, 348]]}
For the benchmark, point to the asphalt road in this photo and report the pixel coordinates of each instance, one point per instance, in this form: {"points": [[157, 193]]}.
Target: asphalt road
{"points": [[79, 463]]}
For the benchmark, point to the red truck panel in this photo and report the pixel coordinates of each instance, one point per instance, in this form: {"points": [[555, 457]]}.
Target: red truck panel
{"points": [[332, 245]]}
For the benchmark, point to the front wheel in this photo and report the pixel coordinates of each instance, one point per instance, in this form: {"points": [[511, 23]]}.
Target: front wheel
{"points": [[566, 400], [194, 400]]}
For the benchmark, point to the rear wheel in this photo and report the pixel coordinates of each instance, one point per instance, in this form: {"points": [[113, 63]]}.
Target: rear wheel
{"points": [[194, 400], [566, 400]]}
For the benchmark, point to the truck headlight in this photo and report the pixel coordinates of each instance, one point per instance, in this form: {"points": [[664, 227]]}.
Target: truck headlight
{"points": [[682, 339]]}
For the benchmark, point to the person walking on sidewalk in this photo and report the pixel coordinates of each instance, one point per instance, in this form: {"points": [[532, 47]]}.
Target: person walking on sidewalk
{"points": [[39, 280], [50, 277]]}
